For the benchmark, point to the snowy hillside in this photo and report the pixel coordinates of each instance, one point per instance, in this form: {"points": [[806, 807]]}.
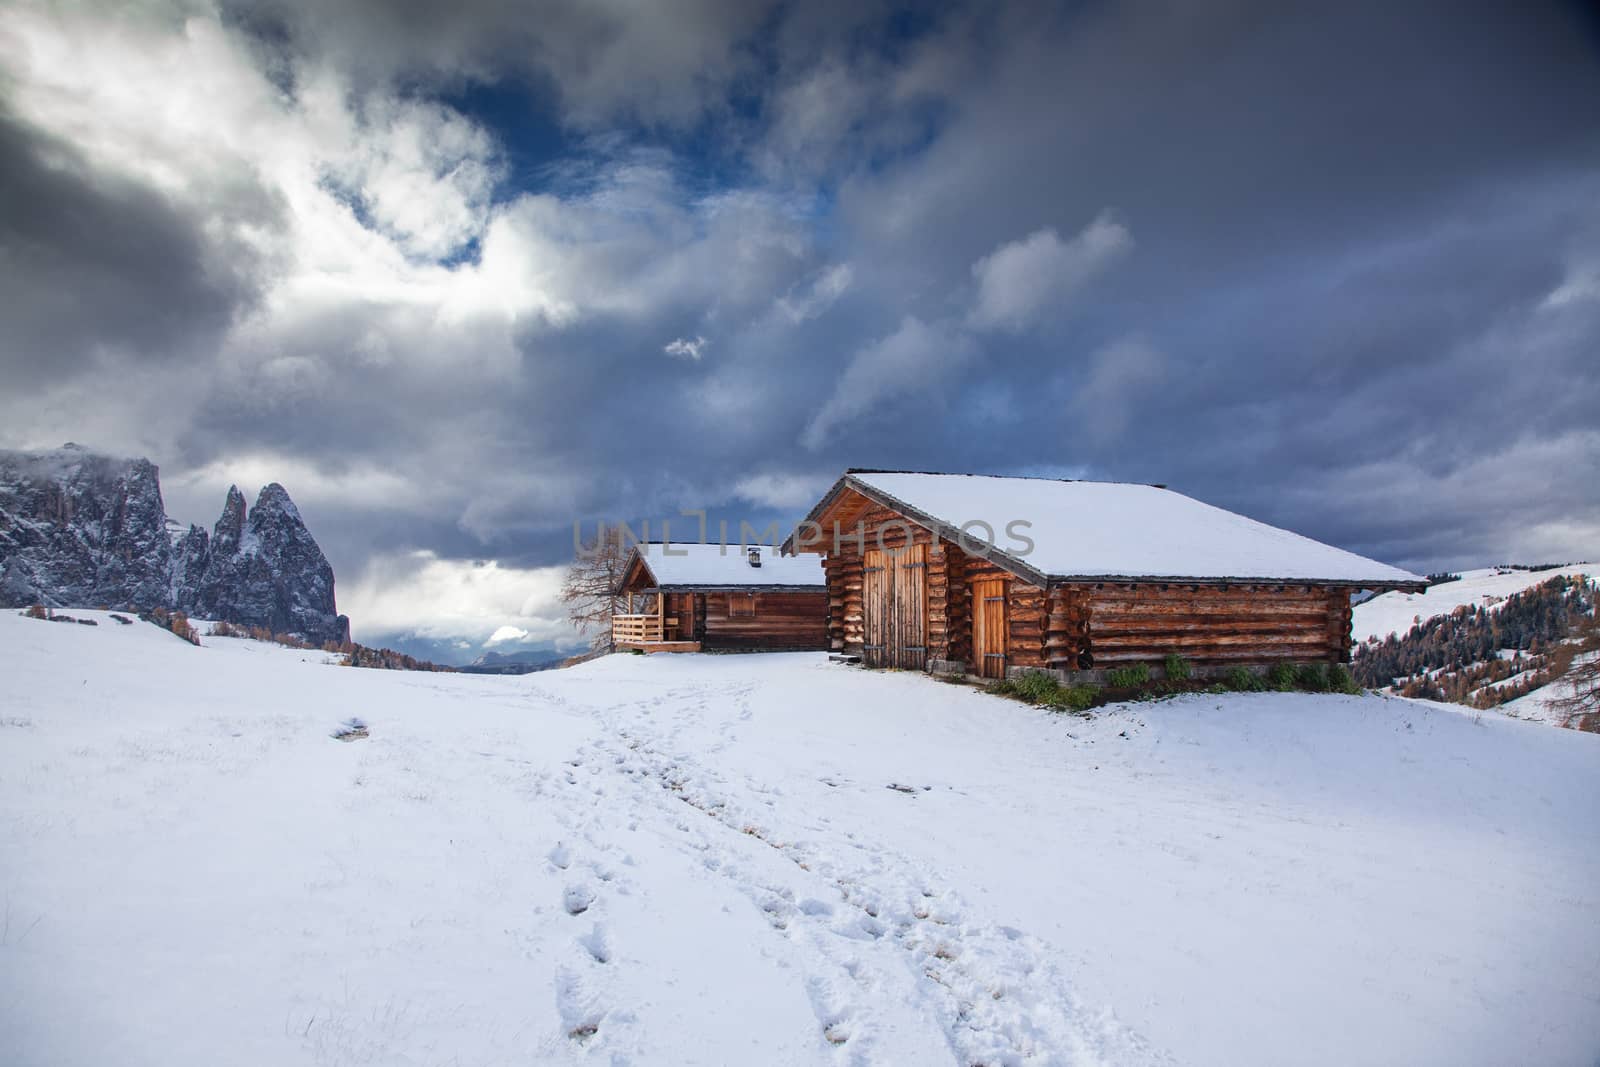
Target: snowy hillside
{"points": [[1545, 704], [768, 859], [1488, 640], [1396, 613]]}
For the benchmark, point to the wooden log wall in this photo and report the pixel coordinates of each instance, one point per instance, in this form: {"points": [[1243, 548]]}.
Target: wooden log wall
{"points": [[781, 620], [958, 604], [1339, 624], [1143, 622], [1112, 622], [844, 602], [937, 607], [1066, 635]]}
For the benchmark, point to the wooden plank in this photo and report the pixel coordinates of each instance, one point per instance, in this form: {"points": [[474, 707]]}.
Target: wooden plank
{"points": [[1223, 624], [910, 593], [1217, 656], [990, 631], [874, 629], [1182, 642]]}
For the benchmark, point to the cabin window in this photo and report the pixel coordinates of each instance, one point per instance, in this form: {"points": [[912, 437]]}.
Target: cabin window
{"points": [[741, 605]]}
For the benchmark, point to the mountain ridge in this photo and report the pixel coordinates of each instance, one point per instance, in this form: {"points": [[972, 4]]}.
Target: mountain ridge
{"points": [[83, 529]]}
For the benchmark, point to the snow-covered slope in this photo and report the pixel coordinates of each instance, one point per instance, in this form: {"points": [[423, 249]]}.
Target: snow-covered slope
{"points": [[1397, 612], [1545, 703], [768, 859]]}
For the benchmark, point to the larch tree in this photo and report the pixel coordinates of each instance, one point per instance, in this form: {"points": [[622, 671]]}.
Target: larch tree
{"points": [[1582, 705], [590, 590]]}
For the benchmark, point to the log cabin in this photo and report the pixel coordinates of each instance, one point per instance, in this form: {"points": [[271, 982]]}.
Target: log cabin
{"points": [[692, 598], [992, 575]]}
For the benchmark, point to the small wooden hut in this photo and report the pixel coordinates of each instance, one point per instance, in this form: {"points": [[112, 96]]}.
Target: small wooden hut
{"points": [[689, 598], [984, 574]]}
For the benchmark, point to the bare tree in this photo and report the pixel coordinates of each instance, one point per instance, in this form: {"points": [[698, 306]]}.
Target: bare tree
{"points": [[1582, 707], [590, 589]]}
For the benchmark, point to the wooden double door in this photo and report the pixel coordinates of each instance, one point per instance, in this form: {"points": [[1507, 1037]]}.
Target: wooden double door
{"points": [[894, 602], [989, 630]]}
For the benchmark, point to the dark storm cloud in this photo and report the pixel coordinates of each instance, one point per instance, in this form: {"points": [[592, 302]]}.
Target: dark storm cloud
{"points": [[1334, 266], [93, 262], [1344, 224]]}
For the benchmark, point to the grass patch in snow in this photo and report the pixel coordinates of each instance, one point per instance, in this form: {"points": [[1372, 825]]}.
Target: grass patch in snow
{"points": [[1130, 677], [1312, 677], [352, 729], [1134, 682], [1340, 680], [1043, 690], [1244, 680], [1282, 678]]}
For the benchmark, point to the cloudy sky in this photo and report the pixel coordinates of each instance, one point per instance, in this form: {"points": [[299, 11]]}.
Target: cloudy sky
{"points": [[458, 275]]}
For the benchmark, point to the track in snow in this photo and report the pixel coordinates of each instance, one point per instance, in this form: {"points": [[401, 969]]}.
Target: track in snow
{"points": [[886, 947]]}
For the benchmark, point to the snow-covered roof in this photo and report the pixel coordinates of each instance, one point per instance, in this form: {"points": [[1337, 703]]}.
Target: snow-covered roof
{"points": [[701, 566], [1116, 529]]}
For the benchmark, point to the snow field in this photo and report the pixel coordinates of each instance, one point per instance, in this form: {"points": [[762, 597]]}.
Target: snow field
{"points": [[773, 859]]}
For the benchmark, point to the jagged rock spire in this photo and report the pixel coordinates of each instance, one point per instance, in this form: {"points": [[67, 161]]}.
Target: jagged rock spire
{"points": [[230, 527], [81, 530]]}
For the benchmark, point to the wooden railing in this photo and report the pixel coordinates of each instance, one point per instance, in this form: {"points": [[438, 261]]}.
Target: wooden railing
{"points": [[636, 629]]}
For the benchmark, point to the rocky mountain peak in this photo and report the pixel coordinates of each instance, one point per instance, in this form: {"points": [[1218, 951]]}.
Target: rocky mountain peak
{"points": [[225, 536], [78, 529], [274, 497]]}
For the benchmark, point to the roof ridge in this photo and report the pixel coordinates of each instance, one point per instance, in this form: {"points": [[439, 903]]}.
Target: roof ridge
{"points": [[1006, 477], [696, 544]]}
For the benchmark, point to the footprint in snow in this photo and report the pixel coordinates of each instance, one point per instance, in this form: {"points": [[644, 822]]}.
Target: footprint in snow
{"points": [[577, 899], [579, 1006], [832, 1009], [596, 944]]}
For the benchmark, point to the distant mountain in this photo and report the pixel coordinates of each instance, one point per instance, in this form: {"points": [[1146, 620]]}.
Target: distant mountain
{"points": [[79, 529], [513, 662]]}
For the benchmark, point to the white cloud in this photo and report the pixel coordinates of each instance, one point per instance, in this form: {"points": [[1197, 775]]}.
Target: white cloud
{"points": [[684, 348], [1119, 375], [1019, 280], [424, 172], [507, 633], [916, 358], [783, 491], [812, 118], [420, 593], [812, 300], [359, 203], [1581, 286], [196, 494]]}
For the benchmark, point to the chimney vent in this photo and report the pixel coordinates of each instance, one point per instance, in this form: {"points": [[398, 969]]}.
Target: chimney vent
{"points": [[755, 556]]}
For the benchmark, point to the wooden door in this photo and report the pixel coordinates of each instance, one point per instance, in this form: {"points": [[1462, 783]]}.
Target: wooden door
{"points": [[894, 604], [877, 584], [989, 626], [910, 638]]}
